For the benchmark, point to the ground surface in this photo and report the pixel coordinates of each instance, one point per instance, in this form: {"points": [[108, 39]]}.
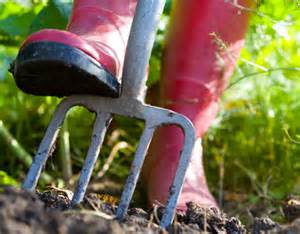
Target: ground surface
{"points": [[47, 212]]}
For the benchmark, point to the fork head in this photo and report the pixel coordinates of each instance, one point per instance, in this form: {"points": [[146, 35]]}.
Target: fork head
{"points": [[154, 117]]}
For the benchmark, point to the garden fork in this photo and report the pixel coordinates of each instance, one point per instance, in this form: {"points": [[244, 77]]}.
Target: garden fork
{"points": [[130, 103]]}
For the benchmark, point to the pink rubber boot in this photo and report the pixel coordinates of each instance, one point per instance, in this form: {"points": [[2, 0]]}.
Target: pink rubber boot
{"points": [[87, 58], [204, 41]]}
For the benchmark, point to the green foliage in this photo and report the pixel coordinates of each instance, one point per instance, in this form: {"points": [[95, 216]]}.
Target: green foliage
{"points": [[255, 136], [54, 15], [15, 21], [6, 180], [49, 17]]}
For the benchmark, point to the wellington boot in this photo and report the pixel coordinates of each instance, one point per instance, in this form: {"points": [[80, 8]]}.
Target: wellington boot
{"points": [[87, 58], [203, 44]]}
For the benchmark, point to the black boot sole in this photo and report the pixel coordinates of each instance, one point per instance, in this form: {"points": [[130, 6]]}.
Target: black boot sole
{"points": [[55, 69]]}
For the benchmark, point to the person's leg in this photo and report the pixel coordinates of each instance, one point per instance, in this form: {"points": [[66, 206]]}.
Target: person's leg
{"points": [[204, 40], [87, 58]]}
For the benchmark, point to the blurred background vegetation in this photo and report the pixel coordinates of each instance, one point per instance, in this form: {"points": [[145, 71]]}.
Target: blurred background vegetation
{"points": [[252, 151]]}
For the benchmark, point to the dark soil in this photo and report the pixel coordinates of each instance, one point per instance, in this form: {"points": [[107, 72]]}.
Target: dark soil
{"points": [[48, 212]]}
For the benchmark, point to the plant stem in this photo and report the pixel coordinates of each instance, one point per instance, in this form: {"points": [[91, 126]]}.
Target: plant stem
{"points": [[64, 152], [18, 150], [14, 145]]}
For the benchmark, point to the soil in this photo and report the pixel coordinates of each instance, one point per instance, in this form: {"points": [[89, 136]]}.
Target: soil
{"points": [[48, 212]]}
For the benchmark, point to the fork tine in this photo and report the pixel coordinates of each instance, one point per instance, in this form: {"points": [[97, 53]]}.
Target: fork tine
{"points": [[100, 126], [45, 147], [135, 171], [185, 156]]}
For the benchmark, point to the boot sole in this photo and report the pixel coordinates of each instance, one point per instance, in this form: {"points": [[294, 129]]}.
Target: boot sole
{"points": [[55, 69]]}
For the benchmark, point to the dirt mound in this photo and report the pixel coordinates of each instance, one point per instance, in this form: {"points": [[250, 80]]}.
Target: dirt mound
{"points": [[48, 212], [23, 212]]}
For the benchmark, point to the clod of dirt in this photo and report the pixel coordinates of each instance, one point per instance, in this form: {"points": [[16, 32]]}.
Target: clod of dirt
{"points": [[293, 228], [210, 219], [137, 215], [183, 228], [54, 200], [291, 208], [96, 202], [265, 224]]}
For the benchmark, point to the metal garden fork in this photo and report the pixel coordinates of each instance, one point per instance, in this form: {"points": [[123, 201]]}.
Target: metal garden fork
{"points": [[130, 103]]}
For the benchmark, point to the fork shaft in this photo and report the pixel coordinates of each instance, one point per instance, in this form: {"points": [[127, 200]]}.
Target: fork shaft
{"points": [[101, 124], [139, 47], [135, 171]]}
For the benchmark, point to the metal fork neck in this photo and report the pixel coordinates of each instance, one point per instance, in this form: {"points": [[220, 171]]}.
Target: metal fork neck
{"points": [[139, 47]]}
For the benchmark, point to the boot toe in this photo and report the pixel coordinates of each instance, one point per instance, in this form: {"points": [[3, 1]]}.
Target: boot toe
{"points": [[54, 69]]}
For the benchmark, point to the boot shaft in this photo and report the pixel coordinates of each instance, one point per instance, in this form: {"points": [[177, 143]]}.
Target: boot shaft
{"points": [[119, 7], [105, 24], [203, 43]]}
